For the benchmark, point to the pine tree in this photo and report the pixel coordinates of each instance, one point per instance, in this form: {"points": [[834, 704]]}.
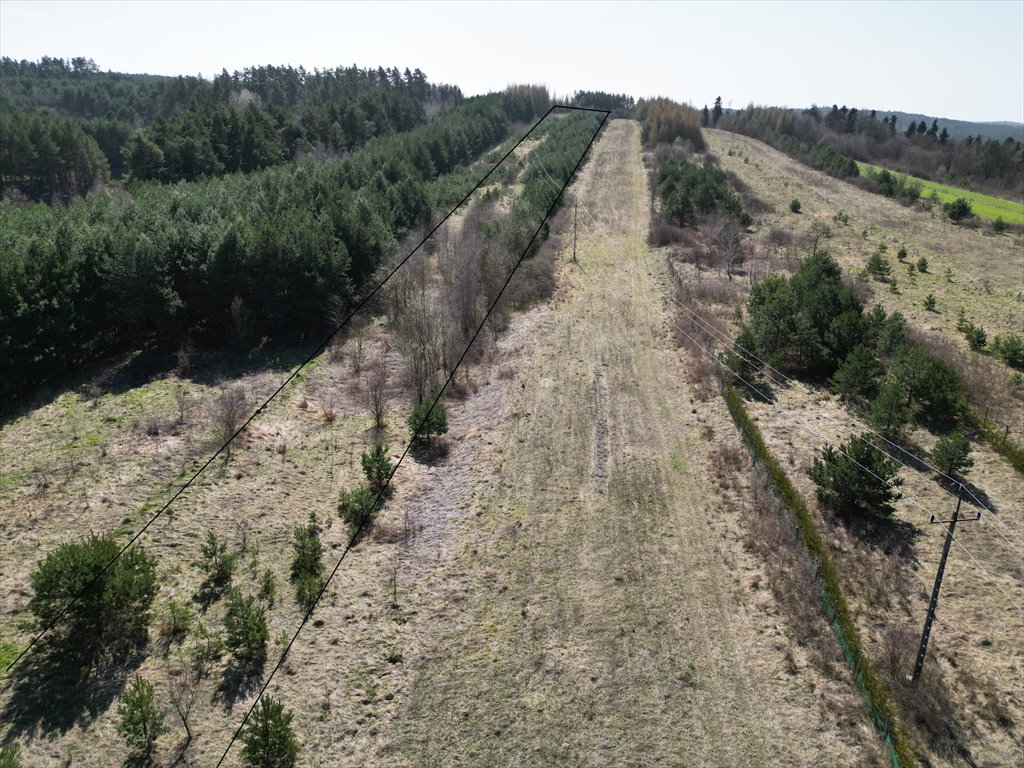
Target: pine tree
{"points": [[952, 453], [705, 116], [856, 478], [717, 112], [268, 738], [141, 722]]}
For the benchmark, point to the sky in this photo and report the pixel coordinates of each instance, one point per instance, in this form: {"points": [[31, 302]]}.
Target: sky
{"points": [[959, 60]]}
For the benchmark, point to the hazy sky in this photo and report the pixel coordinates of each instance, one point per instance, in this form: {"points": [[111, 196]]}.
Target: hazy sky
{"points": [[951, 59]]}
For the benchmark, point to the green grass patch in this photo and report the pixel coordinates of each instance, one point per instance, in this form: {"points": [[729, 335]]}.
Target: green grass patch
{"points": [[985, 206], [8, 653]]}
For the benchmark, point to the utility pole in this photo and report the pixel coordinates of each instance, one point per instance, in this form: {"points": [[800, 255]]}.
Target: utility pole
{"points": [[919, 664]]}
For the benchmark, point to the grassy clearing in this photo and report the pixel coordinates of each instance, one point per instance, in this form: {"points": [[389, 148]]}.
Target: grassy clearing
{"points": [[985, 206]]}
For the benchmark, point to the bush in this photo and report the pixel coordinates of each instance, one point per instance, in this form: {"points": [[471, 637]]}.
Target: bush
{"points": [[141, 722], [268, 587], [901, 254], [175, 623], [998, 225], [268, 739], [424, 422], [307, 562], [928, 384], [115, 609], [878, 266], [889, 412], [355, 505], [857, 478], [246, 627], [929, 302], [858, 375], [1011, 349], [952, 453], [794, 205], [377, 466], [746, 219], [922, 265], [216, 563], [958, 209], [977, 339]]}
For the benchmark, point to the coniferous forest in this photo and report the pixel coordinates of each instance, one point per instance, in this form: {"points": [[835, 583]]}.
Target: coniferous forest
{"points": [[223, 198]]}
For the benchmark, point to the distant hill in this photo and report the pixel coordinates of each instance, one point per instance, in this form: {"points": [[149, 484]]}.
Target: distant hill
{"points": [[960, 128]]}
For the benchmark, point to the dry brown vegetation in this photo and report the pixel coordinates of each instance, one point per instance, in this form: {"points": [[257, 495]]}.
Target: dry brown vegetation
{"points": [[565, 587], [968, 709]]}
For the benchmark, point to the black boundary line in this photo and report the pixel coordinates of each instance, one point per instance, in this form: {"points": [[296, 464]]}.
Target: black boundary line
{"points": [[437, 398], [278, 391]]}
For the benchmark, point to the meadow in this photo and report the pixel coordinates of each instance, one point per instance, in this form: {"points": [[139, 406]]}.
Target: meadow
{"points": [[985, 206]]}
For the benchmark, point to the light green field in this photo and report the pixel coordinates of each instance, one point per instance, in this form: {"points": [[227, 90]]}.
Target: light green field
{"points": [[986, 207]]}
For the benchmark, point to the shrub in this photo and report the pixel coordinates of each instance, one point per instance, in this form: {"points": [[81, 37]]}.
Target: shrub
{"points": [[857, 478], [268, 587], [922, 265], [216, 563], [858, 375], [952, 453], [746, 219], [377, 466], [878, 266], [998, 225], [307, 562], [424, 422], [246, 627], [268, 741], [958, 209], [141, 722], [928, 383], [929, 302], [1011, 349], [356, 504], [889, 412], [977, 339], [116, 608], [175, 623], [794, 205], [901, 254]]}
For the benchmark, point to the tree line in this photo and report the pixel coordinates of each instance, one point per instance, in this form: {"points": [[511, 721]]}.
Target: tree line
{"points": [[831, 140], [167, 264], [65, 126]]}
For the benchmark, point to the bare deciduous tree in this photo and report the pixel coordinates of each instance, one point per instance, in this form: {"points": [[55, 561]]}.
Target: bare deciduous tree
{"points": [[228, 414], [420, 345], [182, 692], [375, 391], [181, 400]]}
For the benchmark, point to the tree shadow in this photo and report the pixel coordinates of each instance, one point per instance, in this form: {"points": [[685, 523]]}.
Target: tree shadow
{"points": [[239, 680], [54, 691], [916, 457], [882, 532], [116, 375], [433, 453]]}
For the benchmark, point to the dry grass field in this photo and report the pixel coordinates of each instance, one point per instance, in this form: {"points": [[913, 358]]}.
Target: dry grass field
{"points": [[574, 583], [970, 708], [969, 269]]}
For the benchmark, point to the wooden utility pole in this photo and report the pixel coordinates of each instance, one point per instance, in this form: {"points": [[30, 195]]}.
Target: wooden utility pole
{"points": [[933, 603]]}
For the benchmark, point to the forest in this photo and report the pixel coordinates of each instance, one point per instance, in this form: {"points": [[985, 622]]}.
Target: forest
{"points": [[831, 140], [65, 126], [274, 250]]}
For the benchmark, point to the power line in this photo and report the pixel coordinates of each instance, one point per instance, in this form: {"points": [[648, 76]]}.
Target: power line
{"points": [[790, 380], [95, 580], [818, 435], [366, 515]]}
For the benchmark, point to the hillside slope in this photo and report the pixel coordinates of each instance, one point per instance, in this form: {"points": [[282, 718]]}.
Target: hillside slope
{"points": [[603, 611]]}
